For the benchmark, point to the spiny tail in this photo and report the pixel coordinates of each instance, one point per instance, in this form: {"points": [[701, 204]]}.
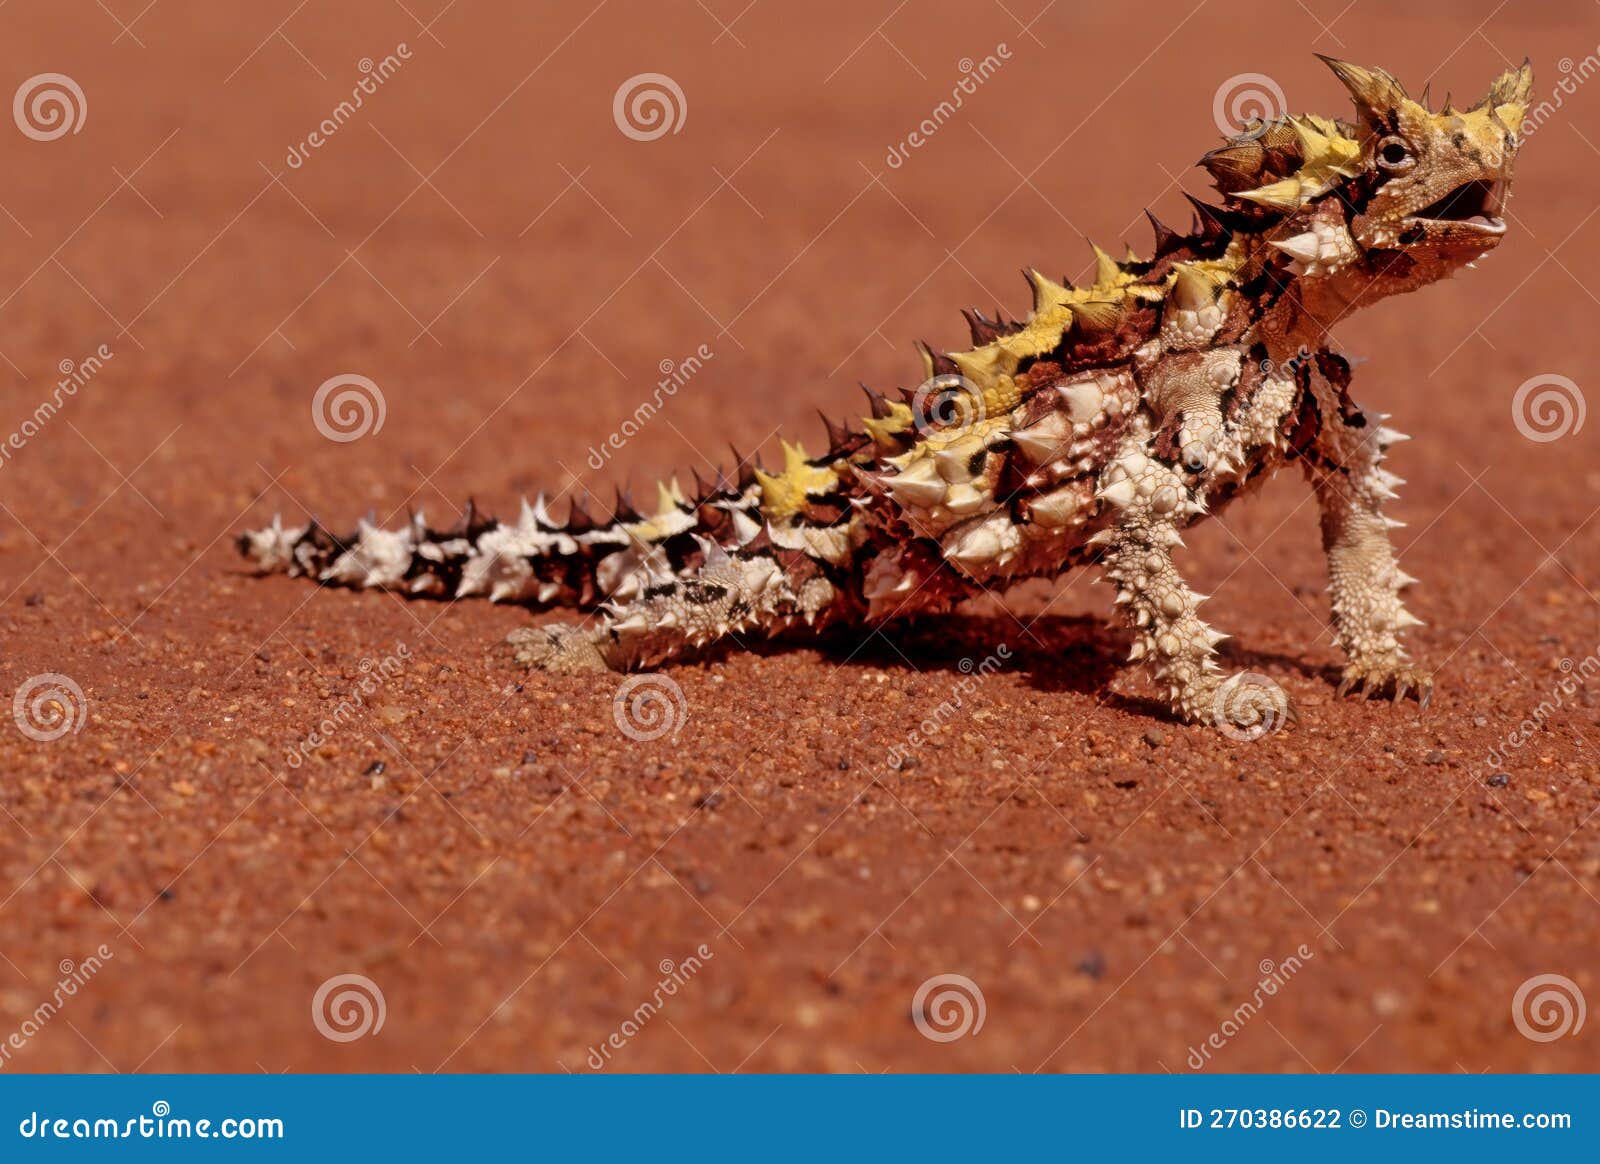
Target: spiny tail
{"points": [[536, 560]]}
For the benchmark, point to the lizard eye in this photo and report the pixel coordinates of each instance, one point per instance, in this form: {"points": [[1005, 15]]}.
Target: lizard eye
{"points": [[1394, 155]]}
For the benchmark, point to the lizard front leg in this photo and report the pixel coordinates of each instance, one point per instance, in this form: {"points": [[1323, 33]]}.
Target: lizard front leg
{"points": [[1152, 502], [1346, 471]]}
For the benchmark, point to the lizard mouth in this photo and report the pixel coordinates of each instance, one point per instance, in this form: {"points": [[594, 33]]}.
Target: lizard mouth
{"points": [[1475, 205]]}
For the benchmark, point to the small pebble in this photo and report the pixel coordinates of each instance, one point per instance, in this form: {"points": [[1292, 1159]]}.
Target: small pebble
{"points": [[1434, 757], [1499, 780], [1092, 964]]}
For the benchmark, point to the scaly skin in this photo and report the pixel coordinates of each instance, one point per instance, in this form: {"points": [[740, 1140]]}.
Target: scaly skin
{"points": [[1094, 431]]}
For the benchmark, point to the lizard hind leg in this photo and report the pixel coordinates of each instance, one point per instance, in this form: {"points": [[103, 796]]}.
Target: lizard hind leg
{"points": [[724, 594]]}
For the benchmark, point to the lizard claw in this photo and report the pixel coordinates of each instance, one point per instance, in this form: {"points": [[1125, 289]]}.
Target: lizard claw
{"points": [[1396, 679]]}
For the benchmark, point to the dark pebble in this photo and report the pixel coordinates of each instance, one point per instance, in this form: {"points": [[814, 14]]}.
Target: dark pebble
{"points": [[1093, 964], [1434, 757], [1499, 780], [375, 768]]}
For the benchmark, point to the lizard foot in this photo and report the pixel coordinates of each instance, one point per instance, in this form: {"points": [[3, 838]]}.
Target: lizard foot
{"points": [[1245, 706], [1395, 679], [562, 647]]}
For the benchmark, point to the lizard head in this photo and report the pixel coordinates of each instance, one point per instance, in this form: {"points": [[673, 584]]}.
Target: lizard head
{"points": [[1400, 197], [1433, 181]]}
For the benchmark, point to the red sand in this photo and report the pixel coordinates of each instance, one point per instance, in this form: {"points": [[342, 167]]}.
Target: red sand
{"points": [[511, 270]]}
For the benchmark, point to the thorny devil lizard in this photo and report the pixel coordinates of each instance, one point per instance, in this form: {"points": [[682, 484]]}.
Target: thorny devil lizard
{"points": [[1095, 431]]}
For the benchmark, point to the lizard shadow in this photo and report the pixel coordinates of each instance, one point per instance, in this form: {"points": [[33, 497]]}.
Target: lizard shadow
{"points": [[1053, 653]]}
